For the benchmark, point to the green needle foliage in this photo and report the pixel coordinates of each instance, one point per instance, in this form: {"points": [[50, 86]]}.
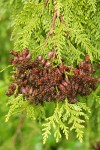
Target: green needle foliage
{"points": [[72, 29], [66, 117]]}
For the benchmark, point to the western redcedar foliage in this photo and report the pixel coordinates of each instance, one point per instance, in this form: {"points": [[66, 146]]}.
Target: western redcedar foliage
{"points": [[71, 28]]}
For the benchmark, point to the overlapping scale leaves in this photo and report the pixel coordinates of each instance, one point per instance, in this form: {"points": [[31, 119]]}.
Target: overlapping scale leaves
{"points": [[40, 80]]}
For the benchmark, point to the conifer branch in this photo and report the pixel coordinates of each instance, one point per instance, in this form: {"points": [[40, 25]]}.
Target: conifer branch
{"points": [[30, 28]]}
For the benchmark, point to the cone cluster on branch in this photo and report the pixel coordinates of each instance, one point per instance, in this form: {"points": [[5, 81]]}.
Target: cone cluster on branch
{"points": [[40, 81]]}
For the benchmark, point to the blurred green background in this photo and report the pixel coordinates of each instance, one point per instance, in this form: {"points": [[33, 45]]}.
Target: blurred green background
{"points": [[21, 133]]}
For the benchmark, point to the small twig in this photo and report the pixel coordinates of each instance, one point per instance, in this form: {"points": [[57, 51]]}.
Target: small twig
{"points": [[53, 42], [18, 131], [53, 24], [61, 19], [51, 28], [63, 22], [46, 2], [5, 68]]}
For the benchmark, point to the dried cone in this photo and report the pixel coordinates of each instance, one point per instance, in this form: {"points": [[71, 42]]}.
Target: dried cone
{"points": [[39, 81]]}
